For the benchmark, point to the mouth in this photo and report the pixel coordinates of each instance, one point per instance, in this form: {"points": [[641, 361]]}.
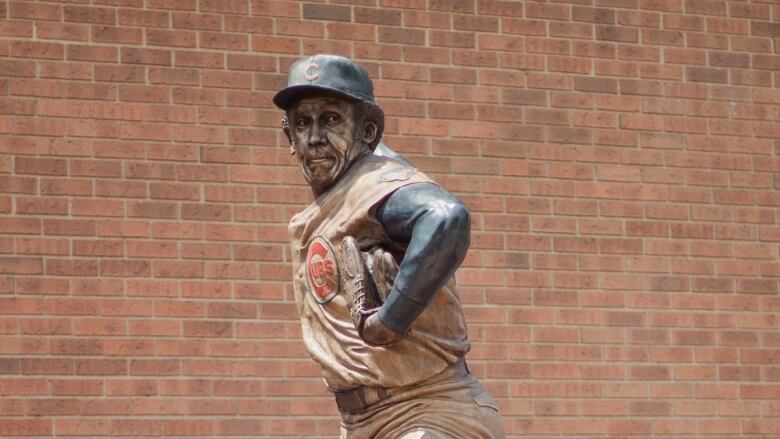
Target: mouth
{"points": [[320, 165], [320, 160]]}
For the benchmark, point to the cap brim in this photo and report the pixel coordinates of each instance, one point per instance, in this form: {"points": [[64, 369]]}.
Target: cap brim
{"points": [[286, 96]]}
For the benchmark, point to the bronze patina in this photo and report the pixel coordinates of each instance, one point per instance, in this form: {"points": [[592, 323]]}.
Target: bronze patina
{"points": [[374, 257]]}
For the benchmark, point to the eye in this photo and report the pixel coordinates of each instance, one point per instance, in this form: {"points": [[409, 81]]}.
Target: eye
{"points": [[301, 123], [332, 118]]}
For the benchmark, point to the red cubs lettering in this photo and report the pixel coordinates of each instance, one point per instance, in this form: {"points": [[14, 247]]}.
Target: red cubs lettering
{"points": [[322, 270]]}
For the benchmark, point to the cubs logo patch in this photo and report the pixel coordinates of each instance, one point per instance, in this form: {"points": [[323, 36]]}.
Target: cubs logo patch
{"points": [[322, 270], [396, 175]]}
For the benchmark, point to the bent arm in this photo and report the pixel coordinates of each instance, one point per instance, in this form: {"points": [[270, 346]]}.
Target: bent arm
{"points": [[436, 226]]}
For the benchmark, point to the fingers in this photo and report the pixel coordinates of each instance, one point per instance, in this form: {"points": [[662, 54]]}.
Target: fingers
{"points": [[391, 268], [384, 269], [368, 279]]}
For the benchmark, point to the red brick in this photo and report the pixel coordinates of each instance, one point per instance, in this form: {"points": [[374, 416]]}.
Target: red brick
{"points": [[703, 74], [499, 7], [637, 18], [170, 38], [412, 37], [61, 31], [593, 15], [453, 39], [203, 60], [198, 134], [250, 62], [201, 173], [229, 6], [42, 246], [152, 210], [426, 19], [18, 184], [18, 68], [149, 170], [123, 228], [617, 33], [276, 8], [426, 54], [214, 40], [174, 76], [30, 49], [21, 265], [198, 96], [27, 427], [235, 23], [195, 21], [35, 11], [151, 427], [143, 93], [276, 44], [241, 426], [476, 24], [41, 206], [327, 12], [145, 18], [112, 34], [554, 12], [83, 14], [121, 268]]}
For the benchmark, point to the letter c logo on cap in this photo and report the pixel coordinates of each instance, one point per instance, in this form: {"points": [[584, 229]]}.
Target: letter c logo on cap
{"points": [[311, 71]]}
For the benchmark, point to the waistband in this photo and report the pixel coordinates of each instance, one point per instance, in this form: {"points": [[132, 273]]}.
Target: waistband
{"points": [[358, 399]]}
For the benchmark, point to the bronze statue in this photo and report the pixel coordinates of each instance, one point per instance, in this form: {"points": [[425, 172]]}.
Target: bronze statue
{"points": [[374, 258]]}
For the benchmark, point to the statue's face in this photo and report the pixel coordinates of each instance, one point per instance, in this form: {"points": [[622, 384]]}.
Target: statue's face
{"points": [[322, 131]]}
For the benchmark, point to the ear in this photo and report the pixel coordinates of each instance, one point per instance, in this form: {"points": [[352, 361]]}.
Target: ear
{"points": [[369, 132], [286, 129]]}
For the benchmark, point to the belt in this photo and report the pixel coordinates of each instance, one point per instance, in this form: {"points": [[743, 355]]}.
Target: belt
{"points": [[358, 399]]}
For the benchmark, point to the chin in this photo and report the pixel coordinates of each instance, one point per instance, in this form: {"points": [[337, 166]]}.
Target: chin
{"points": [[319, 184], [323, 180]]}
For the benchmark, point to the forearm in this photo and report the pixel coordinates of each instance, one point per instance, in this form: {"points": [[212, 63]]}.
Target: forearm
{"points": [[437, 228]]}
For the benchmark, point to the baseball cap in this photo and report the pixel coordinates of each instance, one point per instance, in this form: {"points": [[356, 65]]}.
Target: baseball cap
{"points": [[331, 73]]}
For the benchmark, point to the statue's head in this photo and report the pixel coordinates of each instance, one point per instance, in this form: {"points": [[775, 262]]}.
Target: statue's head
{"points": [[331, 118]]}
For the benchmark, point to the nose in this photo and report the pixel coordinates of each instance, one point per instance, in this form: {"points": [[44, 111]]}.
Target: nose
{"points": [[317, 135]]}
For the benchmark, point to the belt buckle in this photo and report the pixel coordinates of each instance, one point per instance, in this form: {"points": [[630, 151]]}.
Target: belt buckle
{"points": [[373, 395]]}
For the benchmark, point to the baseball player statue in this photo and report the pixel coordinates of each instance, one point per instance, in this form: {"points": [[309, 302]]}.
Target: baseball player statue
{"points": [[373, 262]]}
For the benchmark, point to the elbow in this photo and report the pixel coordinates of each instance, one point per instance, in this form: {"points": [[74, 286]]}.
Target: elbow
{"points": [[454, 220], [461, 216]]}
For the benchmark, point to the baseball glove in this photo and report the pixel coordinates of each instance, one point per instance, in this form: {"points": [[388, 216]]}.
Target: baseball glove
{"points": [[369, 279]]}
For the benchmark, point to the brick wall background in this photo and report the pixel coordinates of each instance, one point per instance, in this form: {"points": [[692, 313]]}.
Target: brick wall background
{"points": [[620, 158]]}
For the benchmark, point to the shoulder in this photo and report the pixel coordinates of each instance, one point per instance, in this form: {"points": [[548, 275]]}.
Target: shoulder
{"points": [[431, 198], [385, 173]]}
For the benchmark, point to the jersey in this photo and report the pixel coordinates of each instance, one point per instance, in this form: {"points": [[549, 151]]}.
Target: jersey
{"points": [[437, 337]]}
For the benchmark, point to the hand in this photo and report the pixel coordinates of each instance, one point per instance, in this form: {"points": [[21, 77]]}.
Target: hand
{"points": [[383, 269], [375, 333], [362, 295]]}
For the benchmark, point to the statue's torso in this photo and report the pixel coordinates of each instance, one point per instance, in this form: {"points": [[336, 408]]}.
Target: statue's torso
{"points": [[438, 336]]}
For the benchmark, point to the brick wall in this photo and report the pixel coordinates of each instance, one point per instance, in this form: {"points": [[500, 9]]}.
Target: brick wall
{"points": [[620, 158]]}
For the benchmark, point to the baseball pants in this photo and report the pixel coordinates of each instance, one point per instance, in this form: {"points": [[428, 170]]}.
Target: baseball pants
{"points": [[450, 405]]}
